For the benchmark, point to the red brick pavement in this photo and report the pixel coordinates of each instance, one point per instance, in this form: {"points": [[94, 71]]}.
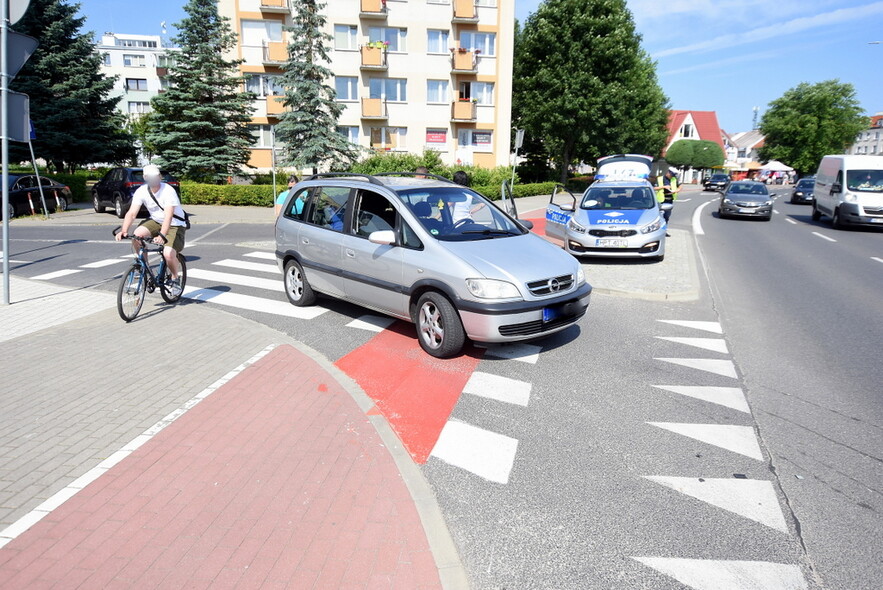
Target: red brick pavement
{"points": [[277, 480]]}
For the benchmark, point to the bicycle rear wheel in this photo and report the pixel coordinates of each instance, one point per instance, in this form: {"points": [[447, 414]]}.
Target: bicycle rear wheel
{"points": [[164, 289], [132, 292]]}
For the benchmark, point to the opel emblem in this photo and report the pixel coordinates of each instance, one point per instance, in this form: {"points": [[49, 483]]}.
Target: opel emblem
{"points": [[554, 285]]}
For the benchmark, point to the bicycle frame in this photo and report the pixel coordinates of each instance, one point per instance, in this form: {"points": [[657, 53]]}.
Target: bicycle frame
{"points": [[141, 258]]}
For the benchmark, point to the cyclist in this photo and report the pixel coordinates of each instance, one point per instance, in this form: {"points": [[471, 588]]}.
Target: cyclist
{"points": [[165, 223]]}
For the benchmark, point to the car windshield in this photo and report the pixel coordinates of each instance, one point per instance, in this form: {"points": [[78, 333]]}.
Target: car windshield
{"points": [[619, 197], [805, 184], [748, 189], [870, 181], [458, 214], [719, 177], [138, 176]]}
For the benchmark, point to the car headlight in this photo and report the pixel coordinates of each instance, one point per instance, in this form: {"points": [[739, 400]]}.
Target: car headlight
{"points": [[492, 289], [728, 202], [768, 203], [574, 226], [849, 198], [652, 227], [798, 194], [580, 275]]}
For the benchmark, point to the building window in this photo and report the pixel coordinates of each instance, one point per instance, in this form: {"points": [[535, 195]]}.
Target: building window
{"points": [[491, 3], [436, 41], [351, 134], [263, 135], [134, 43], [133, 60], [437, 139], [345, 37], [389, 89], [106, 58], [164, 84], [165, 61], [478, 140], [257, 33], [437, 91], [396, 38], [438, 1], [480, 92], [263, 85], [388, 138], [347, 87], [687, 131], [486, 43], [138, 107], [136, 84]]}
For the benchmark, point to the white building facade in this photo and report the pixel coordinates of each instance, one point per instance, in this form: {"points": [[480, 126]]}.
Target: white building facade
{"points": [[140, 64], [870, 141]]}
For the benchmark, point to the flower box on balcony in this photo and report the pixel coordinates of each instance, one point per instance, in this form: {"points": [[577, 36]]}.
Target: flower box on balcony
{"points": [[373, 57], [464, 61]]}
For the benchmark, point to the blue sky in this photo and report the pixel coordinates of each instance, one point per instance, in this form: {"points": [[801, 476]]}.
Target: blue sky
{"points": [[718, 55]]}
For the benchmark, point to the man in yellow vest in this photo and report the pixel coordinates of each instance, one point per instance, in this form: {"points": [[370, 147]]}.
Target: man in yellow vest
{"points": [[667, 189]]}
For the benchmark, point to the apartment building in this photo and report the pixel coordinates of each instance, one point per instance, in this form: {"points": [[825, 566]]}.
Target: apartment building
{"points": [[870, 141], [413, 75], [140, 64]]}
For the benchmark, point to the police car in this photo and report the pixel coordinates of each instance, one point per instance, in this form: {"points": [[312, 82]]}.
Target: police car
{"points": [[618, 215]]}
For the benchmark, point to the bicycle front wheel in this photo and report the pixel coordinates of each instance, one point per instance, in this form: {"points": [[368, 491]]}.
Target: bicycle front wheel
{"points": [[132, 292], [166, 291]]}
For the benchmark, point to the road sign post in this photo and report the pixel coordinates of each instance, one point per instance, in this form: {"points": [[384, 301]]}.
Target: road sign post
{"points": [[519, 141]]}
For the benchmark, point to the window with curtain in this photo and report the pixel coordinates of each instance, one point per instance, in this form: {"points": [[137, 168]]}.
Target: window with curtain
{"points": [[437, 91], [396, 37], [437, 41]]}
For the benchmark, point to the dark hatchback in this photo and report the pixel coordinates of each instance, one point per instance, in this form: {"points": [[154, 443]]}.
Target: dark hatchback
{"points": [[803, 190], [24, 191], [117, 187], [716, 182]]}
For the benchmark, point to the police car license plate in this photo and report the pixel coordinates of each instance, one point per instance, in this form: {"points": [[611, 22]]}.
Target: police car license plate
{"points": [[550, 314], [611, 243], [874, 220]]}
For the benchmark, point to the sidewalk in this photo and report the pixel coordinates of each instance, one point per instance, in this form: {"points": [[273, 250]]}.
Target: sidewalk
{"points": [[125, 463]]}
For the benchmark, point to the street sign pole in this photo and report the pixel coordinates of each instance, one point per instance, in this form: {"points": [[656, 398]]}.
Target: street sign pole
{"points": [[519, 141], [4, 138]]}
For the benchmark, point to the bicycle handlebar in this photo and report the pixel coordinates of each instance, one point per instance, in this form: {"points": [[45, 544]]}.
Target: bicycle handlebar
{"points": [[144, 241]]}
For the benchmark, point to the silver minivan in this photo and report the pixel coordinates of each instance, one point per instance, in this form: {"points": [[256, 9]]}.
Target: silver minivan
{"points": [[428, 251]]}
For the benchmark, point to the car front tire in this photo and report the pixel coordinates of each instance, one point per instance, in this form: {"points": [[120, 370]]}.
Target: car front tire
{"points": [[439, 328], [297, 287], [816, 214], [118, 207], [836, 220], [96, 204]]}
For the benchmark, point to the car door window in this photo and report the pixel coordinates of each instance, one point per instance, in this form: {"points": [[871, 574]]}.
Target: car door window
{"points": [[328, 209], [409, 237], [297, 205], [22, 183], [374, 213]]}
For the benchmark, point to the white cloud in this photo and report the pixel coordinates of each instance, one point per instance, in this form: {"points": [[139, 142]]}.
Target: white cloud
{"points": [[777, 30], [721, 62]]}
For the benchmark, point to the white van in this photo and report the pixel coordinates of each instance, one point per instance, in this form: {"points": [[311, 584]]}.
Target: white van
{"points": [[849, 190]]}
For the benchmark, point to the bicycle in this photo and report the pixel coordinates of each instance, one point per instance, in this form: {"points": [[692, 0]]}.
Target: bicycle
{"points": [[141, 279]]}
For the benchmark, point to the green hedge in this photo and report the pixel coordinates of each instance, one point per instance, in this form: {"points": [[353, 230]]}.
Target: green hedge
{"points": [[493, 191], [259, 195]]}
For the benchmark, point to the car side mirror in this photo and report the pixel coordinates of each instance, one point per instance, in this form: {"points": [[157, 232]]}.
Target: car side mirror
{"points": [[836, 188], [666, 206], [385, 237], [568, 208], [526, 224]]}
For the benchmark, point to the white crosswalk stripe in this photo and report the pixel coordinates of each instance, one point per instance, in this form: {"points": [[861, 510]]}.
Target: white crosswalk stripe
{"points": [[252, 303], [504, 389], [709, 574], [245, 265], [487, 454], [706, 326], [726, 368], [372, 323], [712, 344], [731, 397], [56, 274], [526, 353], [262, 255], [738, 439], [103, 263], [225, 278]]}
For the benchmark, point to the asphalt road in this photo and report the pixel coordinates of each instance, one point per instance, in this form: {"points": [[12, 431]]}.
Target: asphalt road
{"points": [[624, 463]]}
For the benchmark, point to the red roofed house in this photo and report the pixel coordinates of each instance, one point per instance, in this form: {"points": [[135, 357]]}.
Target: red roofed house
{"points": [[693, 125]]}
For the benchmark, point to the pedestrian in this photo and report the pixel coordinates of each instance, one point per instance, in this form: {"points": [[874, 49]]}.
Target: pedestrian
{"points": [[421, 172], [461, 178], [667, 189], [280, 199]]}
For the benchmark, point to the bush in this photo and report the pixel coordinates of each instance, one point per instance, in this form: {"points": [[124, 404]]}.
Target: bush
{"points": [[399, 162], [493, 191], [258, 195]]}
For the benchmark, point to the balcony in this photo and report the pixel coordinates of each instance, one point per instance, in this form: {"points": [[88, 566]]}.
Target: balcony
{"points": [[275, 6], [374, 9], [465, 12], [464, 111], [374, 58], [275, 53], [375, 109], [275, 106], [161, 72], [464, 62]]}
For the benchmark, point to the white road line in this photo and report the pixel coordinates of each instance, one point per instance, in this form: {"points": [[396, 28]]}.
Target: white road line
{"points": [[526, 353], [823, 236], [103, 263], [482, 452], [725, 368], [57, 274], [738, 439], [714, 327], [262, 255], [709, 574], [752, 498], [207, 234], [503, 389], [697, 222], [712, 344], [775, 211], [66, 493], [248, 302], [791, 221], [730, 397], [683, 200], [245, 265], [877, 259], [224, 278], [372, 323]]}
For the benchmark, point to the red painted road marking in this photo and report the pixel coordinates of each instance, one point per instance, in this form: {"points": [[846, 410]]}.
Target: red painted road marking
{"points": [[539, 226], [414, 391]]}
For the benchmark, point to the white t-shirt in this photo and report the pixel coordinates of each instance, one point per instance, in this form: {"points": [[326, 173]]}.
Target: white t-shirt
{"points": [[462, 209], [166, 196]]}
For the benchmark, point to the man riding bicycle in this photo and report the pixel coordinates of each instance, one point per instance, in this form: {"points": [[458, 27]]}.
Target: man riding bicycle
{"points": [[166, 223]]}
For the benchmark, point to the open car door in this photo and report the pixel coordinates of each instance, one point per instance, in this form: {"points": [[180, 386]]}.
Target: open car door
{"points": [[509, 206], [559, 211]]}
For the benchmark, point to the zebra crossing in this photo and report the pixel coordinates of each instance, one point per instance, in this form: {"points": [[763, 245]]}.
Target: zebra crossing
{"points": [[752, 499]]}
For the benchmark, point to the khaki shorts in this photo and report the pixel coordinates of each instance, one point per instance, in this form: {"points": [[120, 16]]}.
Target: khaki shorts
{"points": [[175, 236]]}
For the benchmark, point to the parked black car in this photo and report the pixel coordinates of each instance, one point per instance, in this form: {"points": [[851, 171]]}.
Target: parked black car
{"points": [[803, 190], [716, 182], [117, 187], [24, 191]]}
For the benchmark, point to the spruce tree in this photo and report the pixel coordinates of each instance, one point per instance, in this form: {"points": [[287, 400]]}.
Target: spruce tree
{"points": [[199, 126], [308, 127], [73, 114]]}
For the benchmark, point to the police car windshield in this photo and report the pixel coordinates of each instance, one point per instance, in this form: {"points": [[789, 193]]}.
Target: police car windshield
{"points": [[622, 198], [457, 214]]}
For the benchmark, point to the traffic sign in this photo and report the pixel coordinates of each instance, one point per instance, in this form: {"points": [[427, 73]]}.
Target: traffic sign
{"points": [[17, 9], [19, 49]]}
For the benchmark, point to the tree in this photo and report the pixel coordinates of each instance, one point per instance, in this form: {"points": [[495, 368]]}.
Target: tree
{"points": [[139, 126], [584, 86], [707, 154], [308, 126], [681, 153], [810, 121], [73, 113], [199, 126]]}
